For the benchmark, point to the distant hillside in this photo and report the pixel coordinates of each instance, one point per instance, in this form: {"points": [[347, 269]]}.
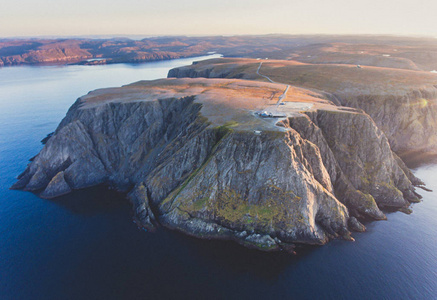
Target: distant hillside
{"points": [[382, 51]]}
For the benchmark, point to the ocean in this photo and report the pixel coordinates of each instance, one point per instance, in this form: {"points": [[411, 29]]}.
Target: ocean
{"points": [[86, 246]]}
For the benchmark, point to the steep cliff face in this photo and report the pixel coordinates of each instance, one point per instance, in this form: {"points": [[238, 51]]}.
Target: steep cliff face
{"points": [[115, 143], [365, 172], [258, 188], [185, 166], [402, 103], [408, 120]]}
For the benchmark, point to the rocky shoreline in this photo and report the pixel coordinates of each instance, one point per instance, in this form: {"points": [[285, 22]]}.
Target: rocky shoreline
{"points": [[192, 156]]}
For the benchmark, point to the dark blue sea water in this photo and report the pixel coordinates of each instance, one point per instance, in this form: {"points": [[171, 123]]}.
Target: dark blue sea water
{"points": [[85, 245]]}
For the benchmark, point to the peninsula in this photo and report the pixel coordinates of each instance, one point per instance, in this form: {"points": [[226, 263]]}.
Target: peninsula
{"points": [[260, 163]]}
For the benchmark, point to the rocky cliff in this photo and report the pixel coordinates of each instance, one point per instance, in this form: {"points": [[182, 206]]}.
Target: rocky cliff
{"points": [[402, 103], [193, 156]]}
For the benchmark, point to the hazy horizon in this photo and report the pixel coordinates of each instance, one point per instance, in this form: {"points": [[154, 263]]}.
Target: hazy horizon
{"points": [[206, 18], [144, 36]]}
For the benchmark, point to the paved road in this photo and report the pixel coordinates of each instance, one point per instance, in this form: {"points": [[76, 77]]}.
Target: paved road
{"points": [[268, 78], [282, 96]]}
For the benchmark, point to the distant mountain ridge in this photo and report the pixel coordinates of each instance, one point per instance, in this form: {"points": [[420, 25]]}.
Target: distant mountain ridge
{"points": [[382, 51]]}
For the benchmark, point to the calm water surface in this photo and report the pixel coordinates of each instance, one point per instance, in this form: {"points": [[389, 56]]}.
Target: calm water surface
{"points": [[85, 245]]}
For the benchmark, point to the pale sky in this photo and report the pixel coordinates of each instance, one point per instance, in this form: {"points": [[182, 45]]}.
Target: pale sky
{"points": [[195, 17]]}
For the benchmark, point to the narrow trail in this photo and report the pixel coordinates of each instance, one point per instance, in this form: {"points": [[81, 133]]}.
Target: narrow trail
{"points": [[284, 94]]}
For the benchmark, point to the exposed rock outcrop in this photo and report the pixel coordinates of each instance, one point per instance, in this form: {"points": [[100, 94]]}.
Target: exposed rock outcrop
{"points": [[187, 153], [56, 187], [143, 214], [408, 120]]}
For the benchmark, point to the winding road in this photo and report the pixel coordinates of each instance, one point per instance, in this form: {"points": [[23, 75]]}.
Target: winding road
{"points": [[284, 94]]}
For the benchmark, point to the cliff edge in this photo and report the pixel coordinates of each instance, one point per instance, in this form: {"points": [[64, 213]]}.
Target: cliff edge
{"points": [[403, 103], [224, 159]]}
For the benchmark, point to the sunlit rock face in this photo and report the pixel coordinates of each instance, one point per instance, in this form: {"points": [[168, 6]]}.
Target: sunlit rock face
{"points": [[193, 155], [403, 103]]}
